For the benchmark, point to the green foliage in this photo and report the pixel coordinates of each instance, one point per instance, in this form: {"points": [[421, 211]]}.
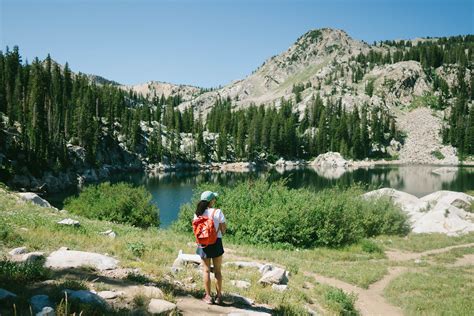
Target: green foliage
{"points": [[137, 248], [341, 302], [370, 246], [263, 213], [121, 203], [14, 273], [439, 155]]}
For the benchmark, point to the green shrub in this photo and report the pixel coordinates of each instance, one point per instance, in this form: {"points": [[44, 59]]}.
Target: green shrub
{"points": [[261, 213], [370, 246], [121, 203], [438, 155], [14, 273], [341, 302], [137, 248]]}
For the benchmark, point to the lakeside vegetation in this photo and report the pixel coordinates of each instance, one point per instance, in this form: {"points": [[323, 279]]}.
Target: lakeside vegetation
{"points": [[120, 203], [360, 264], [270, 213]]}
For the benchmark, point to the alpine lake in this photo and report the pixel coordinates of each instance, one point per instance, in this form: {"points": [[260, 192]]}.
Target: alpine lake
{"points": [[170, 190]]}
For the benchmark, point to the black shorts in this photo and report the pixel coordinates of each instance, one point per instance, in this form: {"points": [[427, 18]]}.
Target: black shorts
{"points": [[211, 251]]}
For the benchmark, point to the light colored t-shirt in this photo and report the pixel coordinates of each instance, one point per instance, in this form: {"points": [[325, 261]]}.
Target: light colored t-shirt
{"points": [[219, 218]]}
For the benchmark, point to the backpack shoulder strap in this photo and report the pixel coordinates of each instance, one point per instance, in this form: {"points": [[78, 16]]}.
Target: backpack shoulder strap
{"points": [[212, 216]]}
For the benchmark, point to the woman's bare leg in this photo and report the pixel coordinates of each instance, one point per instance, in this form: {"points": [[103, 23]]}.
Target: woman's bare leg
{"points": [[206, 270], [218, 274]]}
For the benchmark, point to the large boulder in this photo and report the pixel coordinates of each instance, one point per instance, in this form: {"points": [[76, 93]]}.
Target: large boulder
{"points": [[63, 259], [34, 198], [274, 276], [407, 202], [457, 199], [439, 212], [159, 306], [330, 160]]}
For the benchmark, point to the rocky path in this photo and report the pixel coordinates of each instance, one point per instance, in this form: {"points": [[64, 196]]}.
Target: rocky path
{"points": [[423, 138], [192, 306]]}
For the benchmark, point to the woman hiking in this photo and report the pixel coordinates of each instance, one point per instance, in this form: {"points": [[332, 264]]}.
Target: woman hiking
{"points": [[214, 252]]}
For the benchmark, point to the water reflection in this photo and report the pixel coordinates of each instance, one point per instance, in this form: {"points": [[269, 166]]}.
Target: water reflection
{"points": [[171, 190]]}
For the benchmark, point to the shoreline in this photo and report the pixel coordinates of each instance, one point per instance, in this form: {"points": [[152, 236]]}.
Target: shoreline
{"points": [[68, 179]]}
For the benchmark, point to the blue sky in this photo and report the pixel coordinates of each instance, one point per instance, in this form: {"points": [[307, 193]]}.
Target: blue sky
{"points": [[207, 42]]}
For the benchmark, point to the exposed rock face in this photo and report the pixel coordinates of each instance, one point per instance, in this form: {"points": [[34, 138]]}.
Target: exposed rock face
{"points": [[153, 89], [423, 139], [307, 60], [34, 198], [62, 259], [439, 212]]}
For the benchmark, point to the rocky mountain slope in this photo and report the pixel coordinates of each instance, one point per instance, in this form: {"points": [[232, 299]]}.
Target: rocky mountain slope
{"points": [[324, 62]]}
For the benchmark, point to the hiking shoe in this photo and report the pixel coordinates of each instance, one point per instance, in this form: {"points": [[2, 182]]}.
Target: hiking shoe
{"points": [[219, 300], [208, 300]]}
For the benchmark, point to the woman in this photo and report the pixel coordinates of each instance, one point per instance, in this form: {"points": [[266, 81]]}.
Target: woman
{"points": [[212, 252]]}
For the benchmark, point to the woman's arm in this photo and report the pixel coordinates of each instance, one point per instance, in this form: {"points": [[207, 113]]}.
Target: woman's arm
{"points": [[222, 228]]}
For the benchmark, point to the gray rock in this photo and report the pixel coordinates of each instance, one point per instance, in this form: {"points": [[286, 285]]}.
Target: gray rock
{"points": [[244, 264], [62, 259], [265, 268], [240, 284], [6, 295], [46, 311], [279, 287], [110, 233], [86, 297], [29, 257], [17, 251], [34, 198], [108, 295], [275, 276], [158, 306], [38, 302], [239, 299], [69, 222]]}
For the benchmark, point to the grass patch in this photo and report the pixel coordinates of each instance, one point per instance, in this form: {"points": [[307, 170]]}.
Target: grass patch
{"points": [[434, 291], [424, 242]]}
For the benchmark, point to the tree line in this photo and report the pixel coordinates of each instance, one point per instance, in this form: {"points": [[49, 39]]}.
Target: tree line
{"points": [[48, 108]]}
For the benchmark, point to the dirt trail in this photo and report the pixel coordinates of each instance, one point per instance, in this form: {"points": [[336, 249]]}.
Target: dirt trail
{"points": [[466, 260], [193, 306], [396, 255]]}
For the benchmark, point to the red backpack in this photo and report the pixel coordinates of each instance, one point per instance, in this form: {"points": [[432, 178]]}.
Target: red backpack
{"points": [[204, 230]]}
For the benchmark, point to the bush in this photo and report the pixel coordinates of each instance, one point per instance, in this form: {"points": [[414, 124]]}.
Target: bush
{"points": [[341, 302], [121, 203], [262, 213], [370, 246], [14, 273], [438, 155]]}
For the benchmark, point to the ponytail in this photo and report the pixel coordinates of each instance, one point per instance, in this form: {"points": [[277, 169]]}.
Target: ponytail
{"points": [[201, 207]]}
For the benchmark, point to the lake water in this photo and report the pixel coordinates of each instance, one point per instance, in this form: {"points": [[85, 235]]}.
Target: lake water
{"points": [[171, 190]]}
